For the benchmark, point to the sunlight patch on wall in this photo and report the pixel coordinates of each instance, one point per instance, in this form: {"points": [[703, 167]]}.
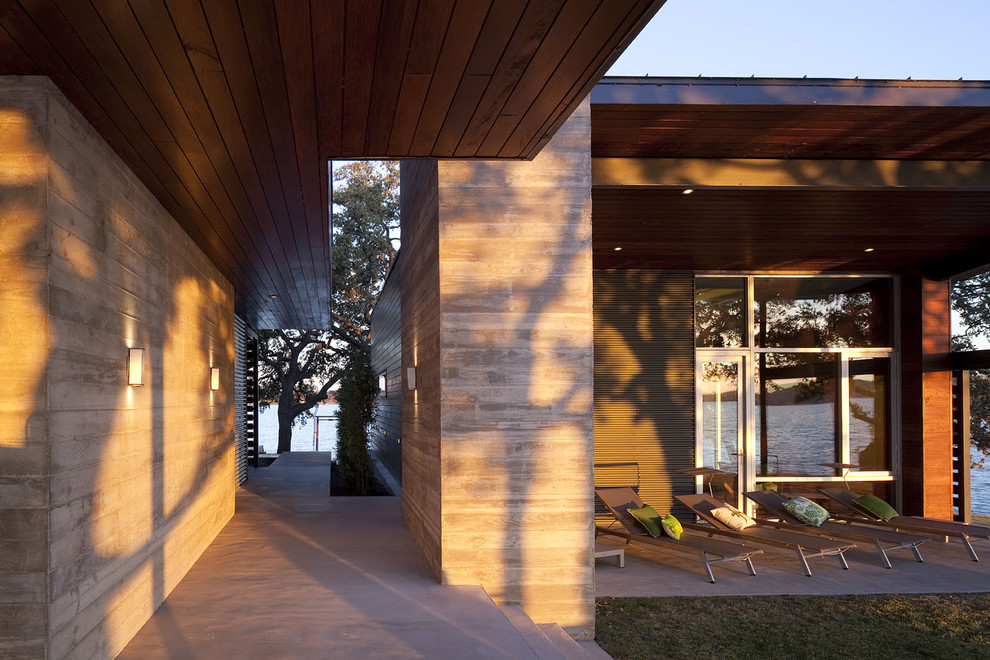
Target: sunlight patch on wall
{"points": [[23, 273], [22, 161], [185, 384]]}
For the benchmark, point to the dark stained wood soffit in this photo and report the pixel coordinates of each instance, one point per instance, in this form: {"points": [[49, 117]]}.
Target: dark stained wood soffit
{"points": [[229, 110], [941, 231], [787, 118]]}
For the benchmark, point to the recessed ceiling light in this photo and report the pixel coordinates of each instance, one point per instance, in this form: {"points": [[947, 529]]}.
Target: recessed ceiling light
{"points": [[868, 250], [687, 191], [617, 249]]}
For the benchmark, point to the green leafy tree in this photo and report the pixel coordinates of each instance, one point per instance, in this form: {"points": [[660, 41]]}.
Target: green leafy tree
{"points": [[356, 397], [296, 371], [299, 368], [971, 301], [366, 198]]}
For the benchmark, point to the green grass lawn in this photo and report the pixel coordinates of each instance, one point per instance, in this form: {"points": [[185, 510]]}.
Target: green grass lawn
{"points": [[883, 626]]}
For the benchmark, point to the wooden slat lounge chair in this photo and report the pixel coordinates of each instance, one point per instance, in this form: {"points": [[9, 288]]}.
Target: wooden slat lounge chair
{"points": [[803, 544], [711, 551], [945, 529], [882, 539]]}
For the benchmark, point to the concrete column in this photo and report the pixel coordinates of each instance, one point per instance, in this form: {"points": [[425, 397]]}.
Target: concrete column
{"points": [[926, 388], [516, 378]]}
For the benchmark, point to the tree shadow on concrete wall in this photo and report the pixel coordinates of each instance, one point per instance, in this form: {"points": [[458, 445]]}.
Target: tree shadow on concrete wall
{"points": [[109, 451], [517, 426]]}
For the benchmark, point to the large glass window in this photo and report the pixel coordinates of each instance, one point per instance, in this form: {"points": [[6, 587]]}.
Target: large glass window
{"points": [[827, 312], [810, 362]]}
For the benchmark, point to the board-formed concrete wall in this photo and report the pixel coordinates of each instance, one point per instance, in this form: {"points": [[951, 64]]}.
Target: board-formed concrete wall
{"points": [[139, 480], [516, 354], [24, 336]]}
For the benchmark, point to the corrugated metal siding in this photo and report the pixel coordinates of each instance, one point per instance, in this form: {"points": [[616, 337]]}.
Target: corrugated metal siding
{"points": [[386, 356], [241, 414], [644, 382]]}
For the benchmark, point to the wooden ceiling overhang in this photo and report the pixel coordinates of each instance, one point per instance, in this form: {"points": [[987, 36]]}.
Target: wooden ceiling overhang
{"points": [[229, 111], [791, 175]]}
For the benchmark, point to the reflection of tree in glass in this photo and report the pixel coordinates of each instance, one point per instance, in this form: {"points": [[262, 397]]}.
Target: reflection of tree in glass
{"points": [[720, 371], [971, 301], [719, 322], [836, 320], [816, 372]]}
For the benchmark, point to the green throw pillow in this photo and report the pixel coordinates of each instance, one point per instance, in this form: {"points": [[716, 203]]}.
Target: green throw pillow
{"points": [[672, 526], [648, 518], [806, 511], [873, 504]]}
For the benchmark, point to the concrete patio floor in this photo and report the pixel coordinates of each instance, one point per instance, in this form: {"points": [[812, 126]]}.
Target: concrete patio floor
{"points": [[297, 574], [946, 569]]}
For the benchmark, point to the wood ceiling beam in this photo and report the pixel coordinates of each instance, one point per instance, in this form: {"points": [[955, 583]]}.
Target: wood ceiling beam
{"points": [[759, 173]]}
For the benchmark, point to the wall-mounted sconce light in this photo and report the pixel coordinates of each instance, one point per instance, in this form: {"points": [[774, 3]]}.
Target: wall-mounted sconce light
{"points": [[215, 378], [135, 366], [410, 378]]}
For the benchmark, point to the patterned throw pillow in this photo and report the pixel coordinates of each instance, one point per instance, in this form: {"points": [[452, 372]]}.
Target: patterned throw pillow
{"points": [[806, 511], [672, 526], [648, 518], [873, 504], [732, 517]]}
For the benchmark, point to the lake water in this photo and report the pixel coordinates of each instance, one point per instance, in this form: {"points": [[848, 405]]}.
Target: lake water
{"points": [[979, 488], [304, 435]]}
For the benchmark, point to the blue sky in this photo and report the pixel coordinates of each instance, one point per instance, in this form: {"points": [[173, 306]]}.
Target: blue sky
{"points": [[930, 39]]}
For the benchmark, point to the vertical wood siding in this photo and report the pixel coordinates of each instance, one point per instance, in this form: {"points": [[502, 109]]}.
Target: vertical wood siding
{"points": [[240, 408], [386, 357], [421, 349], [644, 382]]}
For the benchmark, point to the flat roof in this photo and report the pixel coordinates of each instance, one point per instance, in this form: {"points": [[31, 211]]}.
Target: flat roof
{"points": [[801, 175]]}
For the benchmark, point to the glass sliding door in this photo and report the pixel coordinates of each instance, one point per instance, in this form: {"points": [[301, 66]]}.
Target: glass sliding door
{"points": [[721, 424], [869, 413]]}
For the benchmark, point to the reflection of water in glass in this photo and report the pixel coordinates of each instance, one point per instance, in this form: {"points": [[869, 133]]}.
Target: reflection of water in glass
{"points": [[796, 452], [979, 487], [302, 434], [797, 446], [726, 458]]}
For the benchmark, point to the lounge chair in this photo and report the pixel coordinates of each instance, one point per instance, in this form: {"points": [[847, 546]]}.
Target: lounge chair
{"points": [[914, 524], [711, 551], [802, 543], [882, 539]]}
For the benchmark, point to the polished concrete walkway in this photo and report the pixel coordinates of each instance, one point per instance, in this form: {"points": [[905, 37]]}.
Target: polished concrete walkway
{"points": [[297, 574]]}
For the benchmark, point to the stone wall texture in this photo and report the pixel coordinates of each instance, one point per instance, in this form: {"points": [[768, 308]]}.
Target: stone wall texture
{"points": [[137, 480]]}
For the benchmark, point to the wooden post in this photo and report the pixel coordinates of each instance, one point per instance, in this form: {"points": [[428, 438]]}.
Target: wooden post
{"points": [[926, 386]]}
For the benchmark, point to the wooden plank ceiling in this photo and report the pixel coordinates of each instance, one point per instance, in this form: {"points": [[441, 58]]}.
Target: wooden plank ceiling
{"points": [[941, 230], [229, 110]]}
